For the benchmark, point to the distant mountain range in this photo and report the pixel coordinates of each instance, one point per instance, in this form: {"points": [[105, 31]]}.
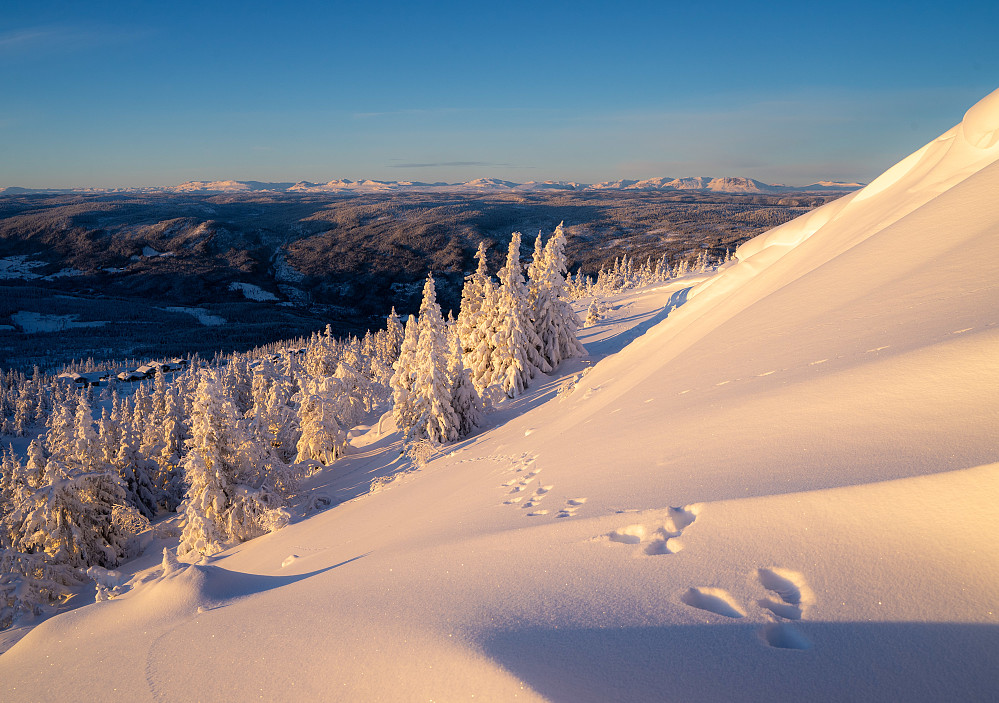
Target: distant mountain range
{"points": [[728, 184]]}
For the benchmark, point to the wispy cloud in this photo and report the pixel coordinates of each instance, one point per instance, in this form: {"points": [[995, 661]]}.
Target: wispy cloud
{"points": [[25, 38], [44, 39]]}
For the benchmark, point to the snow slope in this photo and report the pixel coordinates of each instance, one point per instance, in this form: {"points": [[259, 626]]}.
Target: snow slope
{"points": [[785, 490]]}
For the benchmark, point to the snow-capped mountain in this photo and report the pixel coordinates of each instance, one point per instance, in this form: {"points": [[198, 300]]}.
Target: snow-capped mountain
{"points": [[729, 184], [495, 185], [229, 186]]}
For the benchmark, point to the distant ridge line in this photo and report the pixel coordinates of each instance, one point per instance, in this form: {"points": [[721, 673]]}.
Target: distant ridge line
{"points": [[729, 184]]}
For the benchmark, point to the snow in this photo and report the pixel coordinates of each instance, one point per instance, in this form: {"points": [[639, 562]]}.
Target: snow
{"points": [[35, 322], [252, 292], [202, 315], [783, 489], [19, 267]]}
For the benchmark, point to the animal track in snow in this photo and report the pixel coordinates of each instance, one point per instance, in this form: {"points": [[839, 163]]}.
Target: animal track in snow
{"points": [[538, 495], [783, 636], [713, 600], [790, 587], [794, 597], [571, 506], [659, 537], [520, 485]]}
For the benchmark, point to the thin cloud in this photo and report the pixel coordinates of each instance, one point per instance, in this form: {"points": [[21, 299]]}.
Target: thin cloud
{"points": [[62, 38], [20, 38]]}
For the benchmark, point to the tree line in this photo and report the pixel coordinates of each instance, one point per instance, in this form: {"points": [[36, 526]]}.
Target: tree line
{"points": [[228, 443]]}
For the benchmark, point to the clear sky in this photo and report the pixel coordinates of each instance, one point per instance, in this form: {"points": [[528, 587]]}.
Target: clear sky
{"points": [[157, 93]]}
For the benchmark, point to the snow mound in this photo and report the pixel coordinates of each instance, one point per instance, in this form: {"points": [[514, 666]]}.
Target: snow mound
{"points": [[980, 125]]}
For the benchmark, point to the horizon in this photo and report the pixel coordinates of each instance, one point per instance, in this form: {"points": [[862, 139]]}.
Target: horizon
{"points": [[100, 96], [281, 186]]}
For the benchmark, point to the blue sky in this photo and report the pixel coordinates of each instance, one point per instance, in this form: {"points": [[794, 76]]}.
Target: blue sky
{"points": [[116, 94]]}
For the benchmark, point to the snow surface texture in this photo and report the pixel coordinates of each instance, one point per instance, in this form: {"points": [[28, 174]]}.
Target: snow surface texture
{"points": [[784, 490]]}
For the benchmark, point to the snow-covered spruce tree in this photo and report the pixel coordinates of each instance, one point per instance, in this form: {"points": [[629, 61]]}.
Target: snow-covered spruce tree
{"points": [[477, 322], [169, 478], [404, 377], [464, 398], [86, 448], [59, 441], [273, 419], [558, 331], [69, 519], [430, 397], [14, 487], [321, 354], [222, 504], [394, 334], [133, 469], [29, 584], [322, 440], [592, 314], [34, 467], [516, 359], [473, 294]]}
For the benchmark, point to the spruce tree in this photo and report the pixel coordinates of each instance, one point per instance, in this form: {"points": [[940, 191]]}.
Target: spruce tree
{"points": [[516, 358], [558, 333], [322, 438], [464, 398], [404, 377], [430, 398], [228, 498], [476, 324]]}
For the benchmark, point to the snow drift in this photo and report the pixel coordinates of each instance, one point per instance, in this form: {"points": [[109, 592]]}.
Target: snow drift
{"points": [[786, 489]]}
